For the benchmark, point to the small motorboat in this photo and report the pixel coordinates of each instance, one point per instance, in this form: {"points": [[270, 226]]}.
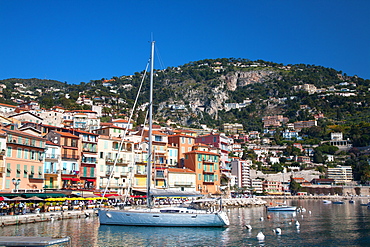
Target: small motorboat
{"points": [[282, 207], [326, 201], [338, 202]]}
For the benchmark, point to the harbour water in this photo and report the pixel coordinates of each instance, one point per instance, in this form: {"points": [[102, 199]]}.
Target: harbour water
{"points": [[320, 225]]}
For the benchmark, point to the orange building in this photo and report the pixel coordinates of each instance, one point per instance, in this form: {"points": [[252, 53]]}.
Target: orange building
{"points": [[207, 168], [24, 160], [184, 143]]}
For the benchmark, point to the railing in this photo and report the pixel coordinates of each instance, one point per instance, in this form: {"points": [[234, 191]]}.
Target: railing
{"points": [[119, 161], [70, 157], [70, 172], [183, 183], [52, 156], [23, 142], [50, 171]]}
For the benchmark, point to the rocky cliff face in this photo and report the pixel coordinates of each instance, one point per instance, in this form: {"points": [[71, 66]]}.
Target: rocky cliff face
{"points": [[200, 98], [242, 78]]}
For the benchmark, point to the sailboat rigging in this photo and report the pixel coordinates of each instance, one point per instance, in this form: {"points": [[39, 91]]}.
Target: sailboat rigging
{"points": [[161, 216]]}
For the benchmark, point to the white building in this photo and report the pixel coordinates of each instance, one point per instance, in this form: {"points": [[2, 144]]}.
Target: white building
{"points": [[341, 174], [241, 170]]}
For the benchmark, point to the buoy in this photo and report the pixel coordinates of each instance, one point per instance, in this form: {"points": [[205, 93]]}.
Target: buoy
{"points": [[249, 227], [268, 216], [261, 219], [260, 236], [278, 231], [309, 212]]}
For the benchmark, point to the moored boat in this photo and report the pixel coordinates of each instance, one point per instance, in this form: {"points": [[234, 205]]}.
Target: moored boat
{"points": [[282, 207], [338, 202], [159, 216]]}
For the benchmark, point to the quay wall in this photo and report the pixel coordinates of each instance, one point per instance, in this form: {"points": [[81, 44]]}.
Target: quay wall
{"points": [[7, 220]]}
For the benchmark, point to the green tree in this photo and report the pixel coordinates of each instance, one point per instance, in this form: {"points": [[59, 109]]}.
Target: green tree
{"points": [[294, 187]]}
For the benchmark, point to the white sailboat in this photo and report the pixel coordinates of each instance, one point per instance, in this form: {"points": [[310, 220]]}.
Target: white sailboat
{"points": [[169, 216]]}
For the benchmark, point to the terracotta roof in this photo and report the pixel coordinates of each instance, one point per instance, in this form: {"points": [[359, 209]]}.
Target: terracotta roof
{"points": [[201, 152], [66, 134], [183, 170]]}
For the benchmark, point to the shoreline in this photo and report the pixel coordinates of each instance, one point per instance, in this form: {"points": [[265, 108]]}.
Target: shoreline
{"points": [[7, 220]]}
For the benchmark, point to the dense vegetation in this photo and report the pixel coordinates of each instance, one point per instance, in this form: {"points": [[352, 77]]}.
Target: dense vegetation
{"points": [[202, 82]]}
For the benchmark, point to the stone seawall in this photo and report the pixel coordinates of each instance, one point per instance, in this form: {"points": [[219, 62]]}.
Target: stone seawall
{"points": [[49, 216]]}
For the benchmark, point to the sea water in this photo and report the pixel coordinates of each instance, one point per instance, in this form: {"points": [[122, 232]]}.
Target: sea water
{"points": [[319, 225]]}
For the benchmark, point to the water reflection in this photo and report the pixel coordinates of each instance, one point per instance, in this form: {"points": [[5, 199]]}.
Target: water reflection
{"points": [[326, 225]]}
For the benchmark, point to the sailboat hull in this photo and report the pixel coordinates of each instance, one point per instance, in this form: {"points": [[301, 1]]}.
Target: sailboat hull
{"points": [[156, 218]]}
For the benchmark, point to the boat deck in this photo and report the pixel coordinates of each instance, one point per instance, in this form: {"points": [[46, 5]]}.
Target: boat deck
{"points": [[32, 241]]}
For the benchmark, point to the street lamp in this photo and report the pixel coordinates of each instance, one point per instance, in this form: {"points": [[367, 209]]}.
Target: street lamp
{"points": [[16, 182]]}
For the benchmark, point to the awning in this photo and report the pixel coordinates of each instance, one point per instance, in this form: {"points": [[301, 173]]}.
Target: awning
{"points": [[66, 178], [75, 179], [91, 180], [174, 193], [90, 155]]}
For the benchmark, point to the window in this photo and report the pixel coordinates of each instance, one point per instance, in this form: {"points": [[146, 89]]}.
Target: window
{"points": [[92, 172], [199, 165], [18, 171], [199, 157], [158, 138], [33, 142], [19, 153], [33, 155], [183, 149], [74, 143], [216, 167], [32, 171], [26, 152], [9, 152], [199, 176], [7, 184], [25, 171], [182, 139], [204, 168], [40, 172], [19, 139], [8, 170], [85, 171]]}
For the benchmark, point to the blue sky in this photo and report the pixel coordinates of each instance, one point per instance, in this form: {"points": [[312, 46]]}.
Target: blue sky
{"points": [[78, 41]]}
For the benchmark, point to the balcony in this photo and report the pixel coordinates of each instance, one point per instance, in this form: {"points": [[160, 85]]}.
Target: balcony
{"points": [[183, 183], [23, 142], [119, 161], [50, 171], [70, 172], [52, 156], [70, 157]]}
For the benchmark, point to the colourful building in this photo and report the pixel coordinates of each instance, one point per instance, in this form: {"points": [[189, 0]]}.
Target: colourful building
{"points": [[207, 168]]}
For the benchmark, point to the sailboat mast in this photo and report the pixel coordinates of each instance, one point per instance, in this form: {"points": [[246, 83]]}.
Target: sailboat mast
{"points": [[150, 149]]}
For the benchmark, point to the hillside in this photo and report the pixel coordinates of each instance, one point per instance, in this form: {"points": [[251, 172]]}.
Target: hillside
{"points": [[216, 91]]}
